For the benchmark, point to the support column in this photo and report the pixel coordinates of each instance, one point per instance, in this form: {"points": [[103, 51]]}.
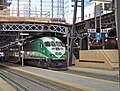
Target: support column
{"points": [[82, 10], [41, 8], [117, 18], [72, 33], [29, 8], [22, 51], [18, 10], [52, 8], [19, 46]]}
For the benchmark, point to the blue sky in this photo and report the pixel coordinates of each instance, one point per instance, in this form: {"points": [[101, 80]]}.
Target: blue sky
{"points": [[87, 2]]}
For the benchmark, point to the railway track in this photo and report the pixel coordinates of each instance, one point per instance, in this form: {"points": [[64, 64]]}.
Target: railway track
{"points": [[22, 82]]}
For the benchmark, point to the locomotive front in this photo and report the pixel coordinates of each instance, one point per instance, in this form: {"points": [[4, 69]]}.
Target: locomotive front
{"points": [[56, 53]]}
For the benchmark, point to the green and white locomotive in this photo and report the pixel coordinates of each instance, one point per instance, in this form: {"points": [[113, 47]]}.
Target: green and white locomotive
{"points": [[46, 52]]}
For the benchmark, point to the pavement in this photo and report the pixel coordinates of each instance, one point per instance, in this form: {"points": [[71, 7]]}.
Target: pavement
{"points": [[72, 82], [99, 71]]}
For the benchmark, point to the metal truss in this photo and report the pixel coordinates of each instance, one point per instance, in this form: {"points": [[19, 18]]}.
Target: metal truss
{"points": [[4, 40], [7, 34], [34, 27], [9, 31]]}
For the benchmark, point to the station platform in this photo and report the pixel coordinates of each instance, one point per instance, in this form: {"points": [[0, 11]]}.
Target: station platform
{"points": [[72, 82], [99, 71]]}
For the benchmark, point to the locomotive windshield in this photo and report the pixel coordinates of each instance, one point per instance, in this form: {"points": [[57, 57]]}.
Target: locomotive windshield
{"points": [[59, 43], [47, 43], [53, 43]]}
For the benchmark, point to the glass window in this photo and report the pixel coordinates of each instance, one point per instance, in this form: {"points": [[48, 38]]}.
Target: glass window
{"points": [[40, 45], [47, 44], [59, 43], [53, 43], [74, 0]]}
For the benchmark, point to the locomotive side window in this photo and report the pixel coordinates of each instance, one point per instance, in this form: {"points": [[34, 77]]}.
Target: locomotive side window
{"points": [[41, 46], [47, 44]]}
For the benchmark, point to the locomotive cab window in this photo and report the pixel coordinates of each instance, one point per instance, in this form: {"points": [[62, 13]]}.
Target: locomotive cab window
{"points": [[59, 44], [47, 44], [53, 43]]}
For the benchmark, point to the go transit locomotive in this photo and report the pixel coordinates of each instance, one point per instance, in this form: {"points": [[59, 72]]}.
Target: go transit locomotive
{"points": [[46, 52]]}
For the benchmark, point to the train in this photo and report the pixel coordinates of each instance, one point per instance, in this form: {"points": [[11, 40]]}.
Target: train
{"points": [[45, 52]]}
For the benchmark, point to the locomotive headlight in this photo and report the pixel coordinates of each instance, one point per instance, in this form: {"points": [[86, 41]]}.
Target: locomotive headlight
{"points": [[64, 54], [58, 53]]}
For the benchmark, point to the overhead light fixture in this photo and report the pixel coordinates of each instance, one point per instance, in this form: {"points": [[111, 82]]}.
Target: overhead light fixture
{"points": [[24, 33], [106, 40]]}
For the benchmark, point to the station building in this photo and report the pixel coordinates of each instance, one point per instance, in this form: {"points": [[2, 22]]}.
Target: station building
{"points": [[89, 11]]}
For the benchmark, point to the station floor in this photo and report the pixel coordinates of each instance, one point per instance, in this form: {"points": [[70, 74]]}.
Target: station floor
{"points": [[77, 82], [108, 72]]}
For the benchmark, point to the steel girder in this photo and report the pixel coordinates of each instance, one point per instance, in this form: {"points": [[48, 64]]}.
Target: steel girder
{"points": [[9, 30], [34, 27]]}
